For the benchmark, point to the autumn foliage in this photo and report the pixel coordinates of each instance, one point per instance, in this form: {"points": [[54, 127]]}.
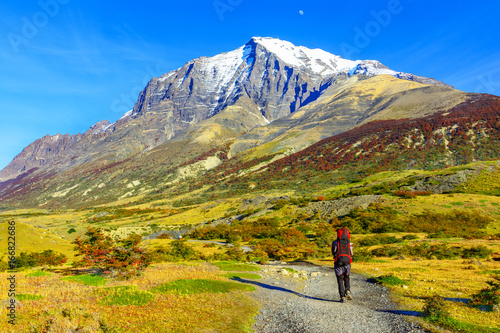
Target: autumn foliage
{"points": [[122, 259]]}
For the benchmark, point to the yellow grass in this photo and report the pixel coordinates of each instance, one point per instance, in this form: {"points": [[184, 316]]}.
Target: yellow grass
{"points": [[31, 239], [231, 312]]}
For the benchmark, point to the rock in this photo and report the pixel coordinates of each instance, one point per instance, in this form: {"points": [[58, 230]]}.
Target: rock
{"points": [[284, 272], [314, 274], [340, 207], [404, 286]]}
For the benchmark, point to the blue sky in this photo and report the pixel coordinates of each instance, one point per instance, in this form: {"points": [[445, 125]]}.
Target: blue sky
{"points": [[67, 64]]}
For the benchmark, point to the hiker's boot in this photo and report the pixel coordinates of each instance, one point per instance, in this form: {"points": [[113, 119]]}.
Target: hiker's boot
{"points": [[348, 295], [343, 300]]}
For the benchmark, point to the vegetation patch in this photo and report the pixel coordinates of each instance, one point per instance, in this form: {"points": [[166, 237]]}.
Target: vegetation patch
{"points": [[199, 286], [87, 279], [44, 258], [378, 240], [436, 311], [434, 251], [38, 274], [28, 297], [236, 276], [233, 266], [490, 295], [389, 280], [125, 295]]}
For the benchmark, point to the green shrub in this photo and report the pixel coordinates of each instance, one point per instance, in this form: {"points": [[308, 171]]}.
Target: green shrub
{"points": [[178, 250], [232, 254], [480, 251], [378, 239], [44, 258], [389, 280], [457, 223], [439, 234], [435, 307], [488, 296], [362, 255], [387, 251], [410, 237]]}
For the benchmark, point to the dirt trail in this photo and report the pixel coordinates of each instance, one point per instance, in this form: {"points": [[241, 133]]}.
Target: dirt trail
{"points": [[292, 304]]}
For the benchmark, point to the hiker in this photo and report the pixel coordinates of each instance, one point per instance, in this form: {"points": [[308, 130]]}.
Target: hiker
{"points": [[342, 255]]}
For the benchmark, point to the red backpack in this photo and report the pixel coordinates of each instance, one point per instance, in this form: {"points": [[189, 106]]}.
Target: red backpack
{"points": [[343, 257]]}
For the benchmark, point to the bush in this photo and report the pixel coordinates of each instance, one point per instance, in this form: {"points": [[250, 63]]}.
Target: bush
{"points": [[439, 234], [410, 237], [289, 244], [375, 219], [44, 258], [362, 255], [379, 239], [457, 223], [232, 254], [477, 252], [178, 250], [438, 251], [123, 258], [164, 236], [488, 296], [435, 308], [389, 280], [387, 251]]}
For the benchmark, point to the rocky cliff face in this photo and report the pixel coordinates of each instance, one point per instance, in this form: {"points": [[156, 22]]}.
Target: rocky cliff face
{"points": [[276, 75], [273, 77]]}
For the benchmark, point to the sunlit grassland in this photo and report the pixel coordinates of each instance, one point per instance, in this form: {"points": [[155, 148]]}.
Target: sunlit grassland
{"points": [[68, 304], [486, 204], [31, 239]]}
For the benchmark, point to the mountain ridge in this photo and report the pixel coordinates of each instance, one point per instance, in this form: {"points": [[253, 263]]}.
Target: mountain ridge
{"points": [[250, 104]]}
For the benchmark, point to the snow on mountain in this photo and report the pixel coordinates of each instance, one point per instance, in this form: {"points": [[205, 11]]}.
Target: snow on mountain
{"points": [[316, 60]]}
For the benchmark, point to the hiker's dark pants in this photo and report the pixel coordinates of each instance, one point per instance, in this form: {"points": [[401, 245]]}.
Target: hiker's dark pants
{"points": [[343, 279]]}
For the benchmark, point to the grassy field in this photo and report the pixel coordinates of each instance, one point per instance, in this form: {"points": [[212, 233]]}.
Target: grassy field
{"points": [[53, 299], [168, 298]]}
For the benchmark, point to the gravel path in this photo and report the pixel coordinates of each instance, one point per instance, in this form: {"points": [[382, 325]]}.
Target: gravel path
{"points": [[293, 304]]}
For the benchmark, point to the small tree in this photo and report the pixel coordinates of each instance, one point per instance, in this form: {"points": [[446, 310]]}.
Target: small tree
{"points": [[123, 258]]}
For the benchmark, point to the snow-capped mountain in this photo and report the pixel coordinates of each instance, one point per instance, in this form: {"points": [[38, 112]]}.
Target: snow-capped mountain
{"points": [[277, 75], [269, 78]]}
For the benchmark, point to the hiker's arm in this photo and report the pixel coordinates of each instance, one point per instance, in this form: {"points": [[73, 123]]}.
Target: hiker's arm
{"points": [[334, 249]]}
